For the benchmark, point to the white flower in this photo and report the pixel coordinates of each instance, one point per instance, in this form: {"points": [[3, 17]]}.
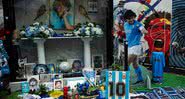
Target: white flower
{"points": [[36, 23], [22, 32], [47, 32], [87, 28], [99, 31], [77, 32], [95, 29], [42, 29], [32, 29], [80, 29], [91, 24], [50, 29], [87, 32]]}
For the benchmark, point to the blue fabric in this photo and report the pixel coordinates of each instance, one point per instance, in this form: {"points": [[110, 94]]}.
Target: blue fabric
{"points": [[158, 63], [3, 52], [5, 70], [58, 22], [133, 34], [139, 73], [25, 87]]}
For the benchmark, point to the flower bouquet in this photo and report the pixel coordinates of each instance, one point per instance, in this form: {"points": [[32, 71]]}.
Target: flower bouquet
{"points": [[37, 30], [88, 30]]}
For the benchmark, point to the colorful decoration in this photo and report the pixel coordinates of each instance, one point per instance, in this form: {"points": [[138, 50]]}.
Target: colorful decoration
{"points": [[4, 68], [51, 68], [159, 35], [65, 67], [43, 91], [117, 84], [65, 90], [25, 87], [88, 30], [40, 69], [36, 30], [86, 90], [90, 76], [56, 94]]}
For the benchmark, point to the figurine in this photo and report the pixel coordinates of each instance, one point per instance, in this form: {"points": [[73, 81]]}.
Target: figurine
{"points": [[65, 91]]}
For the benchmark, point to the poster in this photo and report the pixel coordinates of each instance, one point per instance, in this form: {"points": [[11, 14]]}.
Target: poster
{"points": [[154, 16]]}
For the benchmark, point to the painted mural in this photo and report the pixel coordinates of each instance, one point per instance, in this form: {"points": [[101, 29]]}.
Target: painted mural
{"points": [[177, 50], [154, 16]]}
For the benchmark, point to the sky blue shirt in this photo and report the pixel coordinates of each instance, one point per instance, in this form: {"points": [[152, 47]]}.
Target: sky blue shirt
{"points": [[58, 22], [158, 63], [133, 34]]}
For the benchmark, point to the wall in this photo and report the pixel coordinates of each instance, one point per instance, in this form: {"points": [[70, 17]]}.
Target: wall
{"points": [[178, 35]]}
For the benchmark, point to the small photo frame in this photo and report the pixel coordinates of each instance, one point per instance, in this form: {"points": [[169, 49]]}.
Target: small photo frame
{"points": [[29, 69], [72, 82], [92, 6], [45, 78], [77, 64], [40, 69], [56, 76], [97, 61], [33, 82], [58, 84]]}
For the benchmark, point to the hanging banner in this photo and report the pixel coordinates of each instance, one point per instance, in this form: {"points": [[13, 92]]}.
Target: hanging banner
{"points": [[90, 76]]}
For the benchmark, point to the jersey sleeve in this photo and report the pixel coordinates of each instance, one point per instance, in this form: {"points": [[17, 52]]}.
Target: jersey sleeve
{"points": [[140, 26]]}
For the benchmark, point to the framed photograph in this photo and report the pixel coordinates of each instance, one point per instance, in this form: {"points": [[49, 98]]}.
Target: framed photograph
{"points": [[97, 61], [76, 64], [51, 68], [33, 82], [58, 84], [61, 14], [92, 6], [45, 78], [16, 86], [22, 69], [29, 69], [40, 69], [56, 76], [72, 82]]}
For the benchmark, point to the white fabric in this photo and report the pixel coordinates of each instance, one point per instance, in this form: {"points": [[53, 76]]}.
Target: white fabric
{"points": [[136, 50], [141, 28]]}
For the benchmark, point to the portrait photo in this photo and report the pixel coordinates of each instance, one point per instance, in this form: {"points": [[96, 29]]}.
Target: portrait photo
{"points": [[45, 78], [61, 14], [77, 64], [58, 84], [56, 76], [33, 82], [97, 61]]}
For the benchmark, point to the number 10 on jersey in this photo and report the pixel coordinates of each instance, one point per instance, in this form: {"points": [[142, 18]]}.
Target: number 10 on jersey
{"points": [[117, 85]]}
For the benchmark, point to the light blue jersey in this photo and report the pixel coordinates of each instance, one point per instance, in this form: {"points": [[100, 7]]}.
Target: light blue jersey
{"points": [[58, 22], [158, 63], [133, 33]]}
